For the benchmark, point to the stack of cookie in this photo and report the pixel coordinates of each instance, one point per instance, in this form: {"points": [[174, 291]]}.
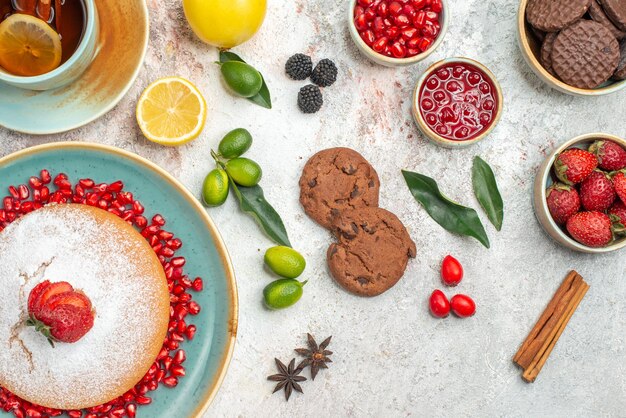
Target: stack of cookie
{"points": [[339, 190], [582, 41]]}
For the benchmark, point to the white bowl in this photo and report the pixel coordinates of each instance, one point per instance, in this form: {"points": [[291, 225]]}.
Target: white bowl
{"points": [[396, 62]]}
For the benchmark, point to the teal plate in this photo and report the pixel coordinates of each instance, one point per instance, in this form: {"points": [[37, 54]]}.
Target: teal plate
{"points": [[209, 353]]}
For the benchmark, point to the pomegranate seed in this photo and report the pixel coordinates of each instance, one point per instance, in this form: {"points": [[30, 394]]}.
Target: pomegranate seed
{"points": [[27, 207], [152, 385], [167, 362], [162, 354], [13, 192], [180, 312], [138, 208], [115, 187], [191, 332], [33, 413], [158, 220], [160, 375], [380, 44], [185, 297], [23, 191], [140, 221], [143, 400], [35, 182], [102, 204], [198, 284], [45, 194], [398, 51], [131, 410], [167, 252], [165, 235], [170, 381], [177, 371], [18, 413], [8, 204], [181, 326], [180, 357], [178, 261], [102, 187], [176, 337], [194, 308]]}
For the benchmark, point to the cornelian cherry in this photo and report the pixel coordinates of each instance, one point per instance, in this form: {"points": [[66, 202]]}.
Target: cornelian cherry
{"points": [[439, 304], [398, 28], [463, 306], [451, 271]]}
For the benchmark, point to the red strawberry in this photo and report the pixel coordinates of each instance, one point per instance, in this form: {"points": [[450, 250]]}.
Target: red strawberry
{"points": [[617, 213], [563, 202], [597, 192], [611, 156], [574, 165], [592, 229], [59, 312], [619, 183]]}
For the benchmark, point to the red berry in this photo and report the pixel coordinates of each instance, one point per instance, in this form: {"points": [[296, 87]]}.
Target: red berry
{"points": [[451, 271], [617, 213], [611, 156], [439, 304], [398, 50], [619, 183], [574, 165], [597, 192], [563, 202], [463, 306], [592, 229]]}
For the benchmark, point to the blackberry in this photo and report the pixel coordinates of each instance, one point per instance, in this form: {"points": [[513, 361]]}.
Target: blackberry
{"points": [[325, 73], [299, 67], [310, 99]]}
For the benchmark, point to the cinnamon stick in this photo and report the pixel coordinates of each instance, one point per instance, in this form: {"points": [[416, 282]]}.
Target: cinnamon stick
{"points": [[531, 373], [57, 15], [546, 327], [44, 10]]}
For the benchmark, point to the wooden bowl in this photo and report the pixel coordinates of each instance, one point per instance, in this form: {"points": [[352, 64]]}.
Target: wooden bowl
{"points": [[531, 50], [545, 178]]}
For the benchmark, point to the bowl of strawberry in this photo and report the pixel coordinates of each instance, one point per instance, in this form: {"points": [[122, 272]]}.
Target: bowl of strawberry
{"points": [[580, 193], [397, 32]]}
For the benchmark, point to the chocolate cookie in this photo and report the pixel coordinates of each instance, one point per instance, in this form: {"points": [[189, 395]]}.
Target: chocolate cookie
{"points": [[585, 54], [616, 11], [336, 179], [620, 73], [546, 52], [372, 253], [554, 15], [597, 13]]}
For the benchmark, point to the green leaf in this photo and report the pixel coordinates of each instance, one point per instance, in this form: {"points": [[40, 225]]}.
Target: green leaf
{"points": [[486, 191], [263, 97], [252, 201], [451, 216]]}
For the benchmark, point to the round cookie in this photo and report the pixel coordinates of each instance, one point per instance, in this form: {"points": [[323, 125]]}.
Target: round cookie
{"points": [[336, 179], [616, 11], [598, 14], [585, 54], [546, 52], [372, 253], [107, 259], [554, 15], [620, 73]]}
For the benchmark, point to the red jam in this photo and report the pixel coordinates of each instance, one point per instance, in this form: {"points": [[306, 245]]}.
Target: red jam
{"points": [[399, 28], [167, 368], [458, 101]]}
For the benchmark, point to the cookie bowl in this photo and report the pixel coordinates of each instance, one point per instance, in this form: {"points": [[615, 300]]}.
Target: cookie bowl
{"points": [[530, 46], [546, 177]]}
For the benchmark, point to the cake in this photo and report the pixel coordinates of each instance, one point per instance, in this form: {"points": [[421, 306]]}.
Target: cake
{"points": [[108, 261]]}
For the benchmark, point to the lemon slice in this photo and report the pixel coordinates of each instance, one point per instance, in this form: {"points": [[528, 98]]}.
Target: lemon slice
{"points": [[28, 46], [171, 111]]}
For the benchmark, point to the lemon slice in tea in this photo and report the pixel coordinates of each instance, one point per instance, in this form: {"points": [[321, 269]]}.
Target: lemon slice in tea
{"points": [[171, 111], [28, 46]]}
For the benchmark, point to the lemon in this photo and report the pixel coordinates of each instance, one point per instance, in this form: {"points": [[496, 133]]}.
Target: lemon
{"points": [[171, 111], [285, 261], [225, 23], [28, 46]]}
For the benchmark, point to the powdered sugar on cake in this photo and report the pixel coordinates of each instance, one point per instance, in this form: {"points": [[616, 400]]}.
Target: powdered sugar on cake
{"points": [[97, 258]]}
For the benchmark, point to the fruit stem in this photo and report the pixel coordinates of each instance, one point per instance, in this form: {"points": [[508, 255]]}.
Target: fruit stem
{"points": [[218, 159]]}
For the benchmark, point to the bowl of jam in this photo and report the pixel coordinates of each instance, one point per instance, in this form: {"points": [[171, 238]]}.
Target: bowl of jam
{"points": [[457, 102], [397, 32]]}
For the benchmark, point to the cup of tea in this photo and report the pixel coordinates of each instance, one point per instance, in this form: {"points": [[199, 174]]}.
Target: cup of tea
{"points": [[46, 44]]}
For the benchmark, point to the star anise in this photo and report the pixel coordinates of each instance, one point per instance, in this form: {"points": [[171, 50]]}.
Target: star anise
{"points": [[287, 378], [316, 356]]}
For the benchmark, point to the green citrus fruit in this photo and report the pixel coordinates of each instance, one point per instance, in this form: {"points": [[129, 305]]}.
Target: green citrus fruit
{"points": [[285, 261], [282, 293], [225, 23], [215, 188], [235, 143], [244, 171], [243, 79]]}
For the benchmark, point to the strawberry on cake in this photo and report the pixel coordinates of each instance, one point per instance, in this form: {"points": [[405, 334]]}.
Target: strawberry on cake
{"points": [[84, 307]]}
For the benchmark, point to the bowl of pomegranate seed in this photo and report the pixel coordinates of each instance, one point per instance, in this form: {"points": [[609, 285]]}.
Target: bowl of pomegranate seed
{"points": [[575, 50], [580, 193], [397, 32], [457, 102]]}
